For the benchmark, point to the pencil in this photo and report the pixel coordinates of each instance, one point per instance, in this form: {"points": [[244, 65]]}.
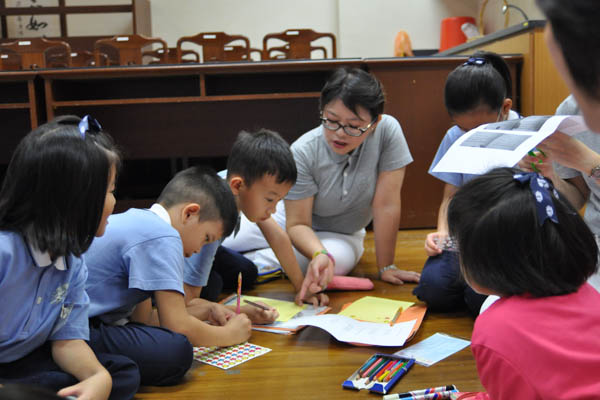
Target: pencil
{"points": [[393, 321], [367, 364], [257, 305], [376, 363], [239, 293], [382, 370]]}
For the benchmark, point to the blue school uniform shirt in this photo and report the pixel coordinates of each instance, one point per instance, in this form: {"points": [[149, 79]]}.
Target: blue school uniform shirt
{"points": [[453, 178], [452, 135], [40, 300], [139, 253]]}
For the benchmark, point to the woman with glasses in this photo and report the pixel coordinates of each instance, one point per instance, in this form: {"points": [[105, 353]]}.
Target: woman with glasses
{"points": [[350, 172]]}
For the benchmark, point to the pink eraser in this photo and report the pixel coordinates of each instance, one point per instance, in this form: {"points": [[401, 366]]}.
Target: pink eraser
{"points": [[349, 283]]}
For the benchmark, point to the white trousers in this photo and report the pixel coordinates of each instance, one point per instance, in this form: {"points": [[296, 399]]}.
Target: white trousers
{"points": [[346, 249]]}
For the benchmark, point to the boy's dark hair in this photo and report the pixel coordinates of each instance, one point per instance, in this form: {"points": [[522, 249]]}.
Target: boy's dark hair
{"points": [[471, 85], [203, 186], [264, 152], [576, 30], [354, 87], [503, 247], [55, 186]]}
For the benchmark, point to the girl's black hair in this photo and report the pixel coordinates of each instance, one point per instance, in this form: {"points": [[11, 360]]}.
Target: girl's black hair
{"points": [[203, 186], [254, 155], [478, 83], [55, 186], [503, 247], [354, 87], [576, 30]]}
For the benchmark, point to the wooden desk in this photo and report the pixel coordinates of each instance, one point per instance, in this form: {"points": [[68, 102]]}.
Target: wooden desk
{"points": [[18, 109], [192, 113], [313, 365]]}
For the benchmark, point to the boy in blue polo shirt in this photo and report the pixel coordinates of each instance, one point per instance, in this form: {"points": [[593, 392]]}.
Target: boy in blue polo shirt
{"points": [[142, 256], [260, 172]]}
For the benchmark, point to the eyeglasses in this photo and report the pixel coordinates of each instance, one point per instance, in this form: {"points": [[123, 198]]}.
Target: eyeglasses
{"points": [[89, 124], [349, 130]]}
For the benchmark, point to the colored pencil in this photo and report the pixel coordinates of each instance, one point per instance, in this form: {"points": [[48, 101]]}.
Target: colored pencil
{"points": [[376, 371], [376, 363], [367, 364], [392, 369], [239, 293], [257, 305], [382, 370], [393, 321]]}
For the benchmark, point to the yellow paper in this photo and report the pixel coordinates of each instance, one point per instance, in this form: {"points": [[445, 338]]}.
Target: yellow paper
{"points": [[374, 309], [286, 309]]}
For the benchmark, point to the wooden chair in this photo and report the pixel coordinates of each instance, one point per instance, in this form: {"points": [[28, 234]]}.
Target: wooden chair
{"points": [[84, 58], [171, 57], [33, 52], [129, 47], [298, 43], [213, 46]]}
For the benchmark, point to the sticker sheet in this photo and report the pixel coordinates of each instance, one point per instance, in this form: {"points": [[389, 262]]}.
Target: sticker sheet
{"points": [[227, 357]]}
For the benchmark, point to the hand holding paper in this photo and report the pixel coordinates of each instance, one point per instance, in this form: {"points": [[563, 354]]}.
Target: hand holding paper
{"points": [[503, 144]]}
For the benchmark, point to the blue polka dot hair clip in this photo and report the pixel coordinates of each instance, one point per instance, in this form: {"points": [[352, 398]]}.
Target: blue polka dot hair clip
{"points": [[540, 188], [477, 61], [88, 124]]}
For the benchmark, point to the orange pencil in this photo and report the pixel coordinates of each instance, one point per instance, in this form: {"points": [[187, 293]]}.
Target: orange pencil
{"points": [[382, 370], [239, 293], [396, 316]]}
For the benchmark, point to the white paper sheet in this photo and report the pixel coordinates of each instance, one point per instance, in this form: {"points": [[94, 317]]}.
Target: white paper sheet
{"points": [[433, 349], [346, 329], [503, 144]]}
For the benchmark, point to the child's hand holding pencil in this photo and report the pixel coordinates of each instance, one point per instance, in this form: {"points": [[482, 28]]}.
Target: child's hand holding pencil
{"points": [[260, 313]]}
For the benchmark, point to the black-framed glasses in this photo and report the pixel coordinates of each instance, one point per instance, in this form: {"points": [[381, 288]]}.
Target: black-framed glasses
{"points": [[348, 130], [89, 124]]}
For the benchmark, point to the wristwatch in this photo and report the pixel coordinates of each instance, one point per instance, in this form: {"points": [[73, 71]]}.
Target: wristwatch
{"points": [[387, 268], [595, 172]]}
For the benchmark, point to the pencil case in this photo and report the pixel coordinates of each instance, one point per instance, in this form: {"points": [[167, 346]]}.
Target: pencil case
{"points": [[379, 373]]}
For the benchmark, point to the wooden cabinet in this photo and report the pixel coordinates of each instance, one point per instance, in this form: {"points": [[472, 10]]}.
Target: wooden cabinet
{"points": [[166, 117], [18, 109]]}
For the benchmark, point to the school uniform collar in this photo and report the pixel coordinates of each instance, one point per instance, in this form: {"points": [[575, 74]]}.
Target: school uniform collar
{"points": [[42, 259], [161, 212]]}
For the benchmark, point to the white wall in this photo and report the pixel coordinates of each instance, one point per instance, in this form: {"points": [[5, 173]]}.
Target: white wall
{"points": [[364, 28], [252, 18], [368, 28]]}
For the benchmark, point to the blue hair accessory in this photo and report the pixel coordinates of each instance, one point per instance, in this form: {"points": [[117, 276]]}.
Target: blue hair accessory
{"points": [[88, 124], [477, 61], [540, 188]]}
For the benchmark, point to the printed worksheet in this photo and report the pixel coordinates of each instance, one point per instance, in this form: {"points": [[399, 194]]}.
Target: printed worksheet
{"points": [[503, 144]]}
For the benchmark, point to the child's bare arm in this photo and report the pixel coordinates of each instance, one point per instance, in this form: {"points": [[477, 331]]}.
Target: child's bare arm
{"points": [[77, 358], [281, 244], [173, 315]]}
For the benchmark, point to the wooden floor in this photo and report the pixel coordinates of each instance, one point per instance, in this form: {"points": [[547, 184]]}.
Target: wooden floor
{"points": [[313, 365]]}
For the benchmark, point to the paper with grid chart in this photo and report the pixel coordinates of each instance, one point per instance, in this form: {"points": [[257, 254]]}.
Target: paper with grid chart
{"points": [[505, 143]]}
